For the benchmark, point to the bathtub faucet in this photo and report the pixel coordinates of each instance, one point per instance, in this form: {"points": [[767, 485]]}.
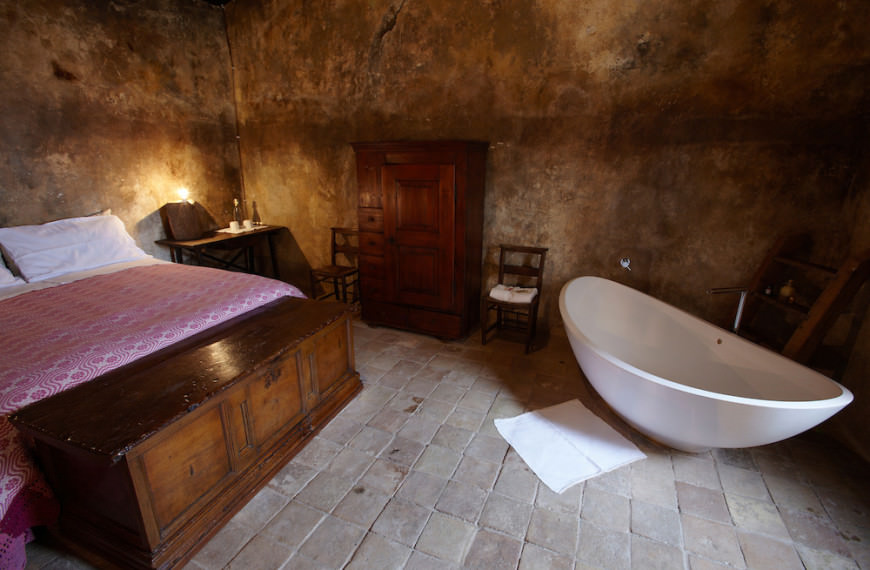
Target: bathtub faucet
{"points": [[743, 291]]}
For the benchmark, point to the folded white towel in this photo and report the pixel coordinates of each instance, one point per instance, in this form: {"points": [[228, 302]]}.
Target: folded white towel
{"points": [[513, 294]]}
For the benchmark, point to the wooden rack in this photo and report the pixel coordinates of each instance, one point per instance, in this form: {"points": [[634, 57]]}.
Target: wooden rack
{"points": [[797, 326]]}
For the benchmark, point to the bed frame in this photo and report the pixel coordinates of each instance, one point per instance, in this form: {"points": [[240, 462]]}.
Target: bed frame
{"points": [[150, 460]]}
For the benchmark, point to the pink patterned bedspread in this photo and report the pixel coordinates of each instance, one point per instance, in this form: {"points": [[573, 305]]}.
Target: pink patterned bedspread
{"points": [[57, 338]]}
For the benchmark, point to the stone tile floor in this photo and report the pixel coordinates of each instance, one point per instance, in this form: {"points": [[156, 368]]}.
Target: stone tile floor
{"points": [[412, 474]]}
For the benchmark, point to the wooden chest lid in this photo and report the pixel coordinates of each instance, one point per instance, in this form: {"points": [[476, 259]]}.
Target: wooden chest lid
{"points": [[114, 412]]}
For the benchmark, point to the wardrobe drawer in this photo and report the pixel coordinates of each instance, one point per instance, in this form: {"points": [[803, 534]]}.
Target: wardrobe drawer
{"points": [[371, 220], [371, 243]]}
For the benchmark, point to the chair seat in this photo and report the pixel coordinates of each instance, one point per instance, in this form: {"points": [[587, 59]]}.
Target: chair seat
{"points": [[334, 271], [338, 278], [513, 295], [515, 301], [517, 304]]}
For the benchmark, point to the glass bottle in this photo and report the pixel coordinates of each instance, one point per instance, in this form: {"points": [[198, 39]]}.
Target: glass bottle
{"points": [[237, 211], [255, 216]]}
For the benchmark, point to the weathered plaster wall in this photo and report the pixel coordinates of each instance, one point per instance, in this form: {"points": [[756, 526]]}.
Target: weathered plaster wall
{"points": [[114, 104], [682, 135], [686, 135]]}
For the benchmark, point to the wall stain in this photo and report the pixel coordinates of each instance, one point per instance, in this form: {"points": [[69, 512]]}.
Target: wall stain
{"points": [[61, 73]]}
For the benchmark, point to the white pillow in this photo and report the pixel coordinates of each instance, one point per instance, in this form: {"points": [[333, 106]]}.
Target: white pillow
{"points": [[7, 279], [75, 244]]}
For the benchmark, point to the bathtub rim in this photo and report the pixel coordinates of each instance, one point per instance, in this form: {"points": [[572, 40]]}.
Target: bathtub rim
{"points": [[840, 401]]}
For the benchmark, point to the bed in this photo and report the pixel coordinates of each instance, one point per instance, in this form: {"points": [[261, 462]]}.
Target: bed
{"points": [[121, 368]]}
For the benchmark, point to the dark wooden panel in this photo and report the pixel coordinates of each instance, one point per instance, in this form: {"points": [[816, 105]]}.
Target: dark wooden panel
{"points": [[275, 398], [418, 275], [331, 359], [239, 427], [385, 313], [189, 461], [371, 220], [419, 231], [371, 243], [445, 325]]}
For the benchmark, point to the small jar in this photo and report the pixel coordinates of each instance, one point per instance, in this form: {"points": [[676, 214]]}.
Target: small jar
{"points": [[786, 292]]}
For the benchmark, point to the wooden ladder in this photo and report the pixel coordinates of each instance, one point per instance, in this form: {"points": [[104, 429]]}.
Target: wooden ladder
{"points": [[796, 326]]}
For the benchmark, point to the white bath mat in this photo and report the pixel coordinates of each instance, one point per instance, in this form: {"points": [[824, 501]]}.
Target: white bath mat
{"points": [[566, 444]]}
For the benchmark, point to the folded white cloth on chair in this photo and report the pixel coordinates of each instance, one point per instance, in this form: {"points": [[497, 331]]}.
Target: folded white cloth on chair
{"points": [[513, 294]]}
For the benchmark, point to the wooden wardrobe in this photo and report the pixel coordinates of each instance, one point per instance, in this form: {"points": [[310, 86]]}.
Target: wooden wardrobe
{"points": [[421, 226]]}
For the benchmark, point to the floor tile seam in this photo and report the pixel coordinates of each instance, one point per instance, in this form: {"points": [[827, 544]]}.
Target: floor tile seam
{"points": [[474, 521], [689, 551], [487, 490], [523, 542], [796, 540], [801, 555], [700, 516], [823, 518], [572, 556], [717, 562], [681, 546], [731, 524], [605, 530], [830, 512], [681, 535], [453, 471], [827, 522], [714, 562], [432, 512], [789, 541], [297, 549], [355, 481], [293, 550], [404, 563], [812, 489], [574, 547], [767, 499]]}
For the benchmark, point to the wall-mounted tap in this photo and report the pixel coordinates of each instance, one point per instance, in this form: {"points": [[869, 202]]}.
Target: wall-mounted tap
{"points": [[743, 291], [625, 262]]}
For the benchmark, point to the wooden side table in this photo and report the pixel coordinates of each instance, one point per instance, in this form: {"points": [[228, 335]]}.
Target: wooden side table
{"points": [[243, 241]]}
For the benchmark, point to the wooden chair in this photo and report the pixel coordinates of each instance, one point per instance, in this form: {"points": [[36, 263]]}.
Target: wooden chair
{"points": [[518, 266], [339, 276]]}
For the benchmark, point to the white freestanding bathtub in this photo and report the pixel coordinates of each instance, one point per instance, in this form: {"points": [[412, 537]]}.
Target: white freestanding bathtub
{"points": [[685, 382]]}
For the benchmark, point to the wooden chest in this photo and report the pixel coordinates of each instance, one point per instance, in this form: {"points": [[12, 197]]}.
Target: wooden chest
{"points": [[150, 460]]}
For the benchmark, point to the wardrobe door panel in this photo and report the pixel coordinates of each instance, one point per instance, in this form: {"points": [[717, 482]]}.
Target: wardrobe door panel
{"points": [[419, 233]]}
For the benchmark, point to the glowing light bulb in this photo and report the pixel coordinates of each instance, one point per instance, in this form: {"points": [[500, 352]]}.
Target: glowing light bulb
{"points": [[184, 194]]}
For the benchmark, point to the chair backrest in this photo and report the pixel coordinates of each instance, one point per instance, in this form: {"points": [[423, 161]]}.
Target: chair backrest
{"points": [[521, 265], [345, 242]]}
